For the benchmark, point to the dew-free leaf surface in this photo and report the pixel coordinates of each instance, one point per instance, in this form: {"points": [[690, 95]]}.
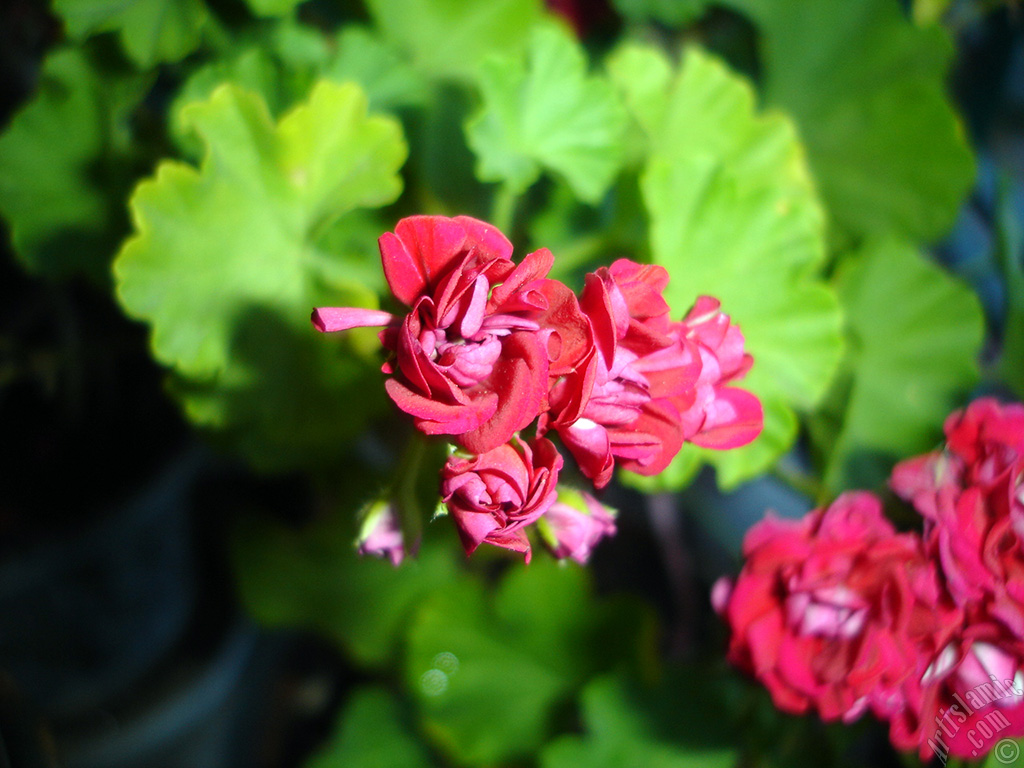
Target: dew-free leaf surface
{"points": [[228, 260], [547, 114], [733, 214]]}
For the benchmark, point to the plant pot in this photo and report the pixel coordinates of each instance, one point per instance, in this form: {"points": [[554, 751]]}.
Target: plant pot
{"points": [[85, 614], [193, 715]]}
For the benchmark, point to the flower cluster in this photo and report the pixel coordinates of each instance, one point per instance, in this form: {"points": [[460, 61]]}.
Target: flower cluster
{"points": [[487, 348], [840, 613]]}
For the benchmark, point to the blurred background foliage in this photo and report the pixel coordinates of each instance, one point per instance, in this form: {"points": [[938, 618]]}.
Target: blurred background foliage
{"points": [[181, 181]]}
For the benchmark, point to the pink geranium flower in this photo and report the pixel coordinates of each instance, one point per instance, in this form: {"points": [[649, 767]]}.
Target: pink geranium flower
{"points": [[717, 415], [494, 496], [970, 695], [574, 525], [470, 358], [380, 533], [834, 611], [971, 495], [484, 349], [652, 384]]}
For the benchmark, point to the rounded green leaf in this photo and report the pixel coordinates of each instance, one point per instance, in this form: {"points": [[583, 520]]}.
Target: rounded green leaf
{"points": [[242, 230], [547, 114], [449, 38], [488, 674], [733, 214], [151, 31], [868, 89], [62, 191], [228, 260], [915, 337]]}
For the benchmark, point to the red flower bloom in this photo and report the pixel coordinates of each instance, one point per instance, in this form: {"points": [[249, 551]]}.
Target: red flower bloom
{"points": [[972, 498], [717, 415], [652, 383], [832, 611], [970, 495], [470, 359], [494, 496], [969, 696]]}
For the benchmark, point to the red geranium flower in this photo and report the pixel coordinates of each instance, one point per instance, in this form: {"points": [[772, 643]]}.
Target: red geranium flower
{"points": [[652, 384], [470, 358], [495, 495], [836, 610]]}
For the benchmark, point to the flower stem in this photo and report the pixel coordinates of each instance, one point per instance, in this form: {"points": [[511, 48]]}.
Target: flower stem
{"points": [[503, 208], [405, 488]]}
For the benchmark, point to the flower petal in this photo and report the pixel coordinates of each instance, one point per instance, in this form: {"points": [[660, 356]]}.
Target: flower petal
{"points": [[329, 319]]}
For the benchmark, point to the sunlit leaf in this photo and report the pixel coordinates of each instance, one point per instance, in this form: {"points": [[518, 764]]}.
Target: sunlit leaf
{"points": [[228, 260], [449, 38], [548, 114], [915, 336], [283, 61], [733, 214], [251, 68]]}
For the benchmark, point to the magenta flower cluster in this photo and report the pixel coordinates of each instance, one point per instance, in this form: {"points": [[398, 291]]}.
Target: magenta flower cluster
{"points": [[840, 613], [499, 358]]}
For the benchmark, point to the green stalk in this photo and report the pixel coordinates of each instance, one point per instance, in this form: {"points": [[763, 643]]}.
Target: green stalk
{"points": [[503, 208], [405, 496]]}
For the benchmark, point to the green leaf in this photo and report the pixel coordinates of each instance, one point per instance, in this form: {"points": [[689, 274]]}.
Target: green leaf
{"points": [[389, 82], [673, 726], [441, 161], [228, 261], [930, 11], [915, 336], [887, 149], [674, 13], [547, 114], [314, 579], [272, 7], [1006, 753], [150, 31], [62, 191], [247, 220], [284, 60], [372, 732], [449, 38], [251, 68], [489, 675], [733, 214]]}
